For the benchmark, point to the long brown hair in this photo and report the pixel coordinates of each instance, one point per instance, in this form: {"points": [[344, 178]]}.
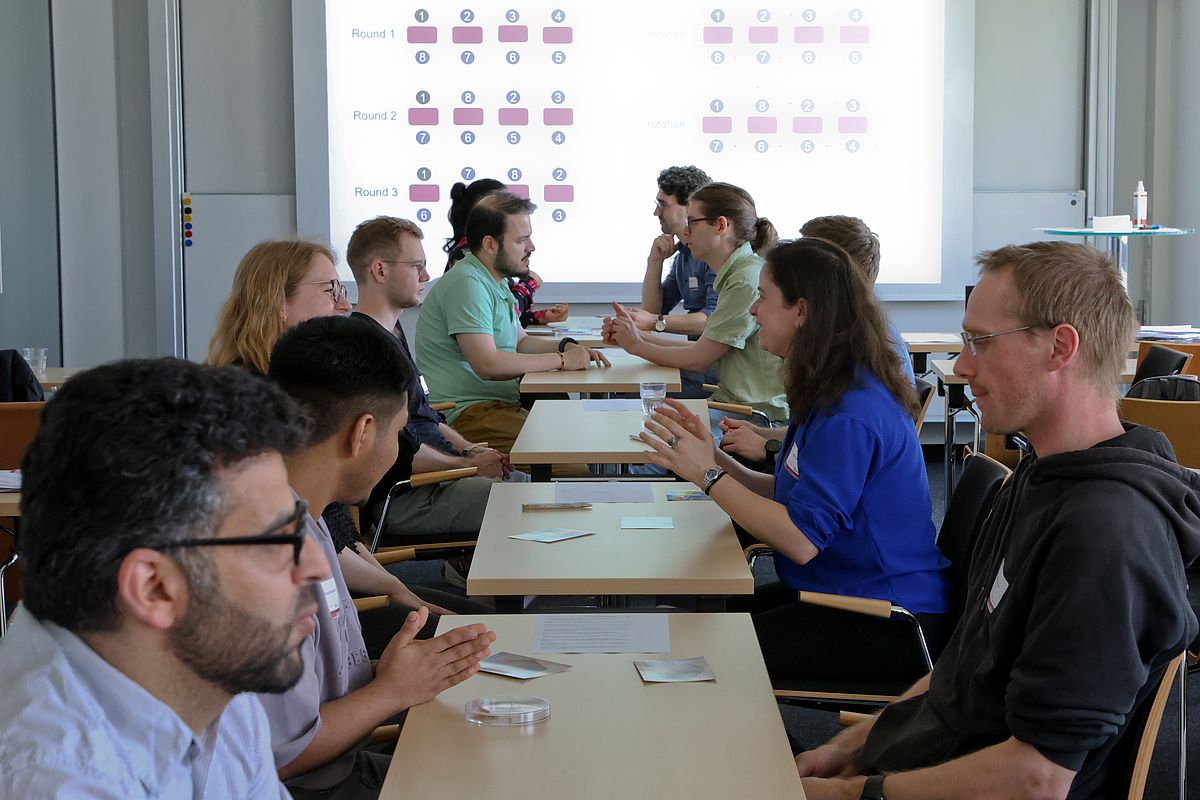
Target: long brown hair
{"points": [[251, 321], [844, 331], [736, 205]]}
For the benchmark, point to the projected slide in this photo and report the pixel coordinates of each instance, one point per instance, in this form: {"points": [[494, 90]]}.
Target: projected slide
{"points": [[815, 107]]}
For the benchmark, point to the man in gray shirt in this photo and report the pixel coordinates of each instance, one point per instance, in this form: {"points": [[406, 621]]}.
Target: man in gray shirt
{"points": [[125, 669]]}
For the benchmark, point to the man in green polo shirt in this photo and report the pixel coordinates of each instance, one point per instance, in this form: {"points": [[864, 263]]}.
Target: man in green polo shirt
{"points": [[470, 345]]}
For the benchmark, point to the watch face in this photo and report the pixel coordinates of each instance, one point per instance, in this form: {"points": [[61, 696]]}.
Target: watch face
{"points": [[711, 474], [773, 446]]}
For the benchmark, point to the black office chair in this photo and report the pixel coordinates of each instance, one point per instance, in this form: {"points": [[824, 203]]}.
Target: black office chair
{"points": [[965, 514], [1161, 361], [925, 395]]}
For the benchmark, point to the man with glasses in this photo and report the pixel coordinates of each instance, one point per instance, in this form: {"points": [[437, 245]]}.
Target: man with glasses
{"points": [[388, 261], [689, 281], [1077, 598], [127, 663], [352, 381]]}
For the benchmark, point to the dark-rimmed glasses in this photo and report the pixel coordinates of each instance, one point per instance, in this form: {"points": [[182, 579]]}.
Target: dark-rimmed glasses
{"points": [[969, 340], [693, 220], [294, 523], [334, 288]]}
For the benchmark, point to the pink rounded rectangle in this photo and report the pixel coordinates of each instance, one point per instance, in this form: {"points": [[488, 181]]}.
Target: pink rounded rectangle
{"points": [[717, 124], [855, 34], [556, 35], [424, 192], [467, 34], [764, 34], [559, 193], [806, 124], [422, 116], [852, 124], [809, 34], [519, 189], [513, 33], [762, 125], [558, 116], [468, 116], [422, 34], [514, 116], [718, 35]]}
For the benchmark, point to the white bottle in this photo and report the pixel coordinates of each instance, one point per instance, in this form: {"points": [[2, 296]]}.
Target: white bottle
{"points": [[1141, 203]]}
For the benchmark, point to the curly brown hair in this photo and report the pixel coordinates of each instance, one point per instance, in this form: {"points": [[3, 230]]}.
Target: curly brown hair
{"points": [[844, 333]]}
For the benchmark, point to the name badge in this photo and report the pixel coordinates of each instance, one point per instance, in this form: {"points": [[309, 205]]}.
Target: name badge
{"points": [[792, 464], [693, 283], [333, 600], [999, 587]]}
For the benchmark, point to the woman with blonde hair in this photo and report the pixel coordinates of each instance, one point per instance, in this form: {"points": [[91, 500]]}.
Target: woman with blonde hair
{"points": [[277, 286]]}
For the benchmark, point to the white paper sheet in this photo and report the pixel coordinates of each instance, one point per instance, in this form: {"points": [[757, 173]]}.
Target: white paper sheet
{"points": [[603, 492], [601, 633], [646, 523], [612, 405], [551, 535], [10, 480]]}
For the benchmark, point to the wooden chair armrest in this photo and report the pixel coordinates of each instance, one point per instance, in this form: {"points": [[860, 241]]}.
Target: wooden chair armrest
{"points": [[425, 548], [709, 387], [803, 694], [384, 734], [732, 408], [426, 478], [443, 406], [393, 555], [757, 547], [848, 718], [369, 603], [858, 605]]}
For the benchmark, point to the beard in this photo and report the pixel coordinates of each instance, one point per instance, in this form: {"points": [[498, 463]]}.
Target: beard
{"points": [[510, 269], [232, 648]]}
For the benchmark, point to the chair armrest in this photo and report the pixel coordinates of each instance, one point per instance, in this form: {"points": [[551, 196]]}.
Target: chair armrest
{"points": [[709, 387], [434, 546], [393, 555], [848, 718], [370, 603], [384, 734], [804, 694], [443, 406], [755, 550], [426, 478], [857, 605], [732, 408]]}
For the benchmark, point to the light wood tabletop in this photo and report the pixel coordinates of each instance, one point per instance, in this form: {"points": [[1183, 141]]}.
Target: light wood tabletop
{"points": [[585, 330], [923, 342], [699, 556], [562, 432], [54, 377], [626, 374], [10, 504], [609, 735]]}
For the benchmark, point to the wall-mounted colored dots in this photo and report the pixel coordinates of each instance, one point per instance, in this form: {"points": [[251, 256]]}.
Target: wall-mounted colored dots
{"points": [[514, 116], [809, 34], [187, 243], [513, 33], [187, 217], [187, 226], [187, 209], [467, 34], [188, 234], [418, 34], [187, 201], [422, 116]]}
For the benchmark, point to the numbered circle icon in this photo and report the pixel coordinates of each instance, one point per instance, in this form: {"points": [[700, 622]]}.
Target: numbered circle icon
{"points": [[423, 97], [716, 145], [558, 57], [559, 174], [808, 57], [762, 106], [422, 137], [512, 15], [717, 15], [718, 57], [513, 137], [424, 215], [761, 146], [468, 97], [467, 57], [807, 146], [853, 146], [558, 137], [467, 173], [717, 106], [423, 174], [856, 15], [809, 15], [467, 15], [515, 174], [421, 16], [513, 97], [467, 137], [512, 56], [422, 56], [559, 215], [763, 57], [855, 57], [557, 97], [763, 15], [558, 15], [807, 106], [853, 105]]}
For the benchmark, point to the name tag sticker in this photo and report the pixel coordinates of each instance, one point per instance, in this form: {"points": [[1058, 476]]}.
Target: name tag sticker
{"points": [[792, 464], [333, 601], [693, 283], [999, 587]]}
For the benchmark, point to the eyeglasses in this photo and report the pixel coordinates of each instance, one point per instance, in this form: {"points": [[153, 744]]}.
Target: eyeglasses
{"points": [[334, 288], [296, 538], [693, 220], [419, 266], [970, 340]]}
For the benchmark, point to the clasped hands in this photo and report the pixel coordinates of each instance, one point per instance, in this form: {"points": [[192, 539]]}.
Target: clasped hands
{"points": [[625, 328], [684, 443]]}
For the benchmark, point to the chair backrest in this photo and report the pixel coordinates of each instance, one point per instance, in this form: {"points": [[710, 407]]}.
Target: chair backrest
{"points": [[925, 398], [18, 425], [1149, 733], [1179, 420], [1155, 361], [966, 511]]}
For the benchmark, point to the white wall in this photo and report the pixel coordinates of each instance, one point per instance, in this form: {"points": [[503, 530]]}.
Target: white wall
{"points": [[1183, 274]]}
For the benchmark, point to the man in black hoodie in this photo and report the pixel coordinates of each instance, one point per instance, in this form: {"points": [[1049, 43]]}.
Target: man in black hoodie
{"points": [[1077, 597]]}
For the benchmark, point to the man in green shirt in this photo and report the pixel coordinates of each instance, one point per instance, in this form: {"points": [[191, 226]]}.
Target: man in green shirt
{"points": [[470, 344]]}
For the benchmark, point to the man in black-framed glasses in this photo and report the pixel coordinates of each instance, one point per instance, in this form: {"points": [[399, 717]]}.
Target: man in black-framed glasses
{"points": [[165, 575]]}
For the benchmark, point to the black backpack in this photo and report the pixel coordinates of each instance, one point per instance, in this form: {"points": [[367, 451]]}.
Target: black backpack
{"points": [[1166, 387]]}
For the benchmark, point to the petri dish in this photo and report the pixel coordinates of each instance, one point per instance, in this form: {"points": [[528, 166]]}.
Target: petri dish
{"points": [[507, 709]]}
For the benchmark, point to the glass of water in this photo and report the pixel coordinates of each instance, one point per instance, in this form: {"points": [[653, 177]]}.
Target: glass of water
{"points": [[36, 358], [653, 393]]}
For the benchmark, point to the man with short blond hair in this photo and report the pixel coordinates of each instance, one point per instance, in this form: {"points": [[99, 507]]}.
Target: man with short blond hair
{"points": [[1077, 598]]}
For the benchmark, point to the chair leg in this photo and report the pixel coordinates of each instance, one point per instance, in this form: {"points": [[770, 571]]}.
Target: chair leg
{"points": [[3, 602], [1183, 765]]}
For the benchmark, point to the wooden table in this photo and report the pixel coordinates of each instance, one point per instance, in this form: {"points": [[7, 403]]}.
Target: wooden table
{"points": [[699, 556], [921, 343], [609, 735], [561, 432], [586, 331], [55, 377], [10, 504], [626, 374]]}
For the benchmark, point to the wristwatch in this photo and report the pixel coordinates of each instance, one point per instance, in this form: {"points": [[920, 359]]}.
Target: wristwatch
{"points": [[711, 476], [660, 324], [873, 788], [772, 447]]}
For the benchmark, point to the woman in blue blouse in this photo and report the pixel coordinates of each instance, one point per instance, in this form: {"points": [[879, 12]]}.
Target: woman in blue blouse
{"points": [[848, 509]]}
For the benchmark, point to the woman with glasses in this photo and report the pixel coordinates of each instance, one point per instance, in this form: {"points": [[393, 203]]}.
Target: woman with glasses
{"points": [[723, 229], [848, 509], [276, 286], [462, 199]]}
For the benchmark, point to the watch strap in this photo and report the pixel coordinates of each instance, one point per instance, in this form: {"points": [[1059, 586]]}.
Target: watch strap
{"points": [[708, 484], [873, 788], [566, 340]]}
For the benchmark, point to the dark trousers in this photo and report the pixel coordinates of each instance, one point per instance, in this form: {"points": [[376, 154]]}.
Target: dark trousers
{"points": [[803, 642]]}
